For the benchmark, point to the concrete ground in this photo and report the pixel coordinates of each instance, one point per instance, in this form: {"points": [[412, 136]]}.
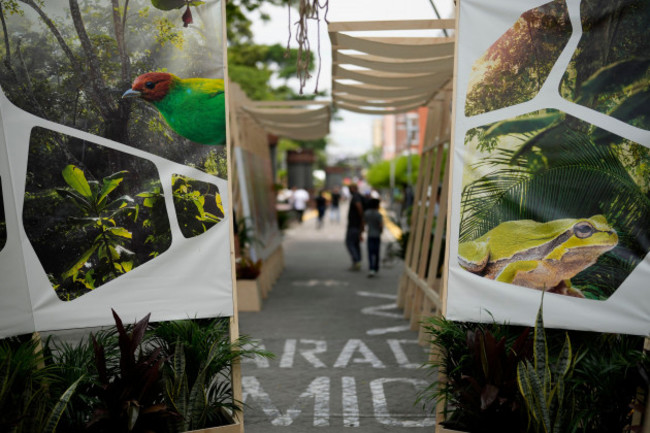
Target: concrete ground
{"points": [[345, 357]]}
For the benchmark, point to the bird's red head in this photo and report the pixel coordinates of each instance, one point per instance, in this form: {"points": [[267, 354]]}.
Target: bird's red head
{"points": [[152, 86]]}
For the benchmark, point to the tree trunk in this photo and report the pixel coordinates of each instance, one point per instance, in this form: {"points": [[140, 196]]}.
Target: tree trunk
{"points": [[95, 74]]}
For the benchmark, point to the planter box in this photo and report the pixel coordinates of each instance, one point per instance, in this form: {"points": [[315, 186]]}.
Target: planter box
{"points": [[234, 427], [249, 295], [230, 428]]}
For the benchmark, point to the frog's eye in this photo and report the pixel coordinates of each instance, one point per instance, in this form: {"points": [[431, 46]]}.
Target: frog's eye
{"points": [[583, 229]]}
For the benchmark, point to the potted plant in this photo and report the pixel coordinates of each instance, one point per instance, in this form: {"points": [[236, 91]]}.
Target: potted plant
{"points": [[249, 290], [479, 361], [197, 373], [130, 394], [29, 395], [591, 380]]}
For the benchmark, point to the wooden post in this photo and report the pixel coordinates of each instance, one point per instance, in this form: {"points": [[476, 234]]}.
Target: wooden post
{"points": [[445, 277], [235, 373]]}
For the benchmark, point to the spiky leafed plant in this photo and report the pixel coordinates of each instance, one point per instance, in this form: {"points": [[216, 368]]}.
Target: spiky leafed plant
{"points": [[561, 173], [74, 361], [28, 400], [200, 356], [543, 385]]}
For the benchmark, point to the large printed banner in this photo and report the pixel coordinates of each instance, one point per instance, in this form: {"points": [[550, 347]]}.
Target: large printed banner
{"points": [[551, 163], [113, 163]]}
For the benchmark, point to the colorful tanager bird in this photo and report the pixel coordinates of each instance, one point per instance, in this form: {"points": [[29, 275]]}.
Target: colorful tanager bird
{"points": [[193, 107]]}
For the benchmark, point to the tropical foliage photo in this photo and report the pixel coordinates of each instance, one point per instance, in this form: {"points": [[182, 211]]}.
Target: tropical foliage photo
{"points": [[89, 213], [515, 67], [610, 69], [547, 166], [197, 204]]}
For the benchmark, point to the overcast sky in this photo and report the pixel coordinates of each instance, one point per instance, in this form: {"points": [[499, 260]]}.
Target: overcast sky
{"points": [[353, 134]]}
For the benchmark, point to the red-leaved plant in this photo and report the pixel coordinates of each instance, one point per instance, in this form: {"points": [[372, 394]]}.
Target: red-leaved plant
{"points": [[130, 395]]}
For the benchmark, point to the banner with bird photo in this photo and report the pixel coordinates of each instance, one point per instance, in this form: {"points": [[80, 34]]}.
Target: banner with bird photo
{"points": [[113, 163], [551, 165]]}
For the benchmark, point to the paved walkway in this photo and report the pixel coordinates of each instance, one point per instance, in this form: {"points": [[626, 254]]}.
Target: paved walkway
{"points": [[344, 354]]}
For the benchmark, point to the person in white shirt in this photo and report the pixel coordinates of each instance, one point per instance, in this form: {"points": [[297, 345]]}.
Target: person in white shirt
{"points": [[299, 200]]}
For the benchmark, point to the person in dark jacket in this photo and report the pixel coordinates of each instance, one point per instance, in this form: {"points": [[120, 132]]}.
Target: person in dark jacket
{"points": [[375, 225], [321, 206], [354, 232]]}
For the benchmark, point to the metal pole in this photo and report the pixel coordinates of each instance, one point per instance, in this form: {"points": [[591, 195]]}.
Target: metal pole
{"points": [[435, 9]]}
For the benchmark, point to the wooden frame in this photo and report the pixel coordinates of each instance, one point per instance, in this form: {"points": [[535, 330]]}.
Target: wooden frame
{"points": [[235, 372], [392, 63], [419, 289]]}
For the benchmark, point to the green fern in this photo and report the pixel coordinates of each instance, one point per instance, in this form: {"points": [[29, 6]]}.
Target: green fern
{"points": [[549, 181]]}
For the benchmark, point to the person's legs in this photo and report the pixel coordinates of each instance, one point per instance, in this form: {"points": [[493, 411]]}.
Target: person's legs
{"points": [[353, 245], [373, 253], [335, 215]]}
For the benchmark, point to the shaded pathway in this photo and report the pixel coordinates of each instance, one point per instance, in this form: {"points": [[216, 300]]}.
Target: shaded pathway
{"points": [[344, 354]]}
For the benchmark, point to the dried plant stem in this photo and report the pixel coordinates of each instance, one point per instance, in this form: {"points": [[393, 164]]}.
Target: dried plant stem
{"points": [[307, 10]]}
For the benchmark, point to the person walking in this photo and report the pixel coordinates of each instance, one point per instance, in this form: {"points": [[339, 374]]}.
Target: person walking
{"points": [[335, 212], [300, 197], [321, 207], [354, 231], [375, 224]]}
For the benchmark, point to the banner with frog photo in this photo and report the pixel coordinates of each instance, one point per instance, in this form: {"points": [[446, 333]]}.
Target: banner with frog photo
{"points": [[551, 165], [113, 163]]}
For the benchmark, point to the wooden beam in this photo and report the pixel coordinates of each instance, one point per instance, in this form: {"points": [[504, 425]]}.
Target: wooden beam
{"points": [[354, 26], [410, 40], [299, 103]]}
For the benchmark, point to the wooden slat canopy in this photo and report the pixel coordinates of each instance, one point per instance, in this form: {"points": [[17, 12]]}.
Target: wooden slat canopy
{"points": [[392, 74], [298, 120]]}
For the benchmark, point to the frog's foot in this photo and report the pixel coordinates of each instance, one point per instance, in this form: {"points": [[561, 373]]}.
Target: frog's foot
{"points": [[565, 288]]}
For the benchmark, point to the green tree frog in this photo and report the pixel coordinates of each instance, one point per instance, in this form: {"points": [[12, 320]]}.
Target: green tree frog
{"points": [[542, 256]]}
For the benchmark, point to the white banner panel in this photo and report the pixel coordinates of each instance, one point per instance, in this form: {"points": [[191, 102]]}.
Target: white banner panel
{"points": [[551, 173], [113, 165]]}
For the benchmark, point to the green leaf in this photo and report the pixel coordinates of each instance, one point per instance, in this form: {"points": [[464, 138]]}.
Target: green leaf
{"points": [[77, 199], [209, 217], [59, 407], [614, 76], [564, 360], [75, 177], [633, 106], [110, 183], [121, 232], [540, 349], [167, 5], [525, 387], [559, 413], [133, 411], [80, 263], [114, 254], [523, 125], [540, 399]]}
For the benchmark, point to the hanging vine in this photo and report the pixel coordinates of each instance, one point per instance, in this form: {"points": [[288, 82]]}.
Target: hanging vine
{"points": [[307, 10]]}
